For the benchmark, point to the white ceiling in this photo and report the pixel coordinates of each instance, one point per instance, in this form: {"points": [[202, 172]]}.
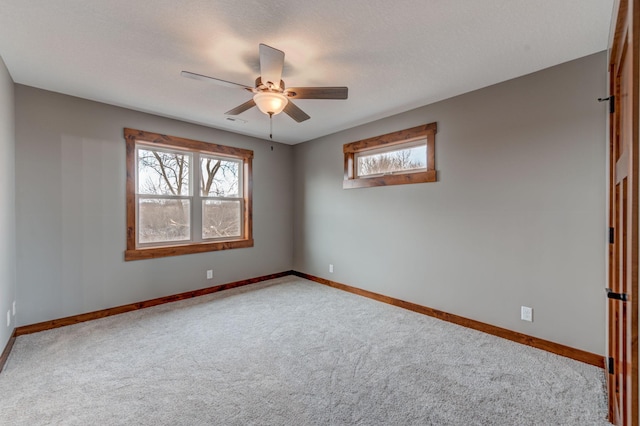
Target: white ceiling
{"points": [[393, 56]]}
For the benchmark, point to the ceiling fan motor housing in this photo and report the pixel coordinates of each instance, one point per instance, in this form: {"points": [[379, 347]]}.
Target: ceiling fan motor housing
{"points": [[268, 86]]}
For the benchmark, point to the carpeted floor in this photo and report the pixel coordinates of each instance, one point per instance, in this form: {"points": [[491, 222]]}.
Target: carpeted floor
{"points": [[289, 352]]}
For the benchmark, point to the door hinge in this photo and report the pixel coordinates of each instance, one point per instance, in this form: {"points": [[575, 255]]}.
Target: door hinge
{"points": [[610, 365], [612, 103], [612, 235], [617, 296]]}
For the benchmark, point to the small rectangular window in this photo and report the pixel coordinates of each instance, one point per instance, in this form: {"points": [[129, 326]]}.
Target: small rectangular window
{"points": [[396, 159], [406, 156]]}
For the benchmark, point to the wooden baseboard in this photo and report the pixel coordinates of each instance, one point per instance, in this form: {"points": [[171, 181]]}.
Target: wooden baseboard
{"points": [[75, 319], [556, 348], [7, 350]]}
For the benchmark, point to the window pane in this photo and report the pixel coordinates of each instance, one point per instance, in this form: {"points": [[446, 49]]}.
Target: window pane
{"points": [[221, 218], [219, 178], [393, 161], [163, 220], [163, 173]]}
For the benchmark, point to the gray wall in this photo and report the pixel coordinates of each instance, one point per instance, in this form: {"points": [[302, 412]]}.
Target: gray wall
{"points": [[70, 203], [7, 205], [517, 216]]}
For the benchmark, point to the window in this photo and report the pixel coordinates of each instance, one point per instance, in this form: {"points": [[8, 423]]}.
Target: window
{"points": [[406, 156], [185, 196]]}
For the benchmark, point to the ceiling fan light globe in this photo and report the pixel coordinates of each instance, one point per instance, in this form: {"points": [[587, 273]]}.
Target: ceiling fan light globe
{"points": [[270, 103]]}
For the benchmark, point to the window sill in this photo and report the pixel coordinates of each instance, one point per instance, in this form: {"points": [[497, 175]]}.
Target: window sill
{"points": [[177, 250], [386, 180]]}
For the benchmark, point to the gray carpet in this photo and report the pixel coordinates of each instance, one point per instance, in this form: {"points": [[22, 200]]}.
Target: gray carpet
{"points": [[289, 352]]}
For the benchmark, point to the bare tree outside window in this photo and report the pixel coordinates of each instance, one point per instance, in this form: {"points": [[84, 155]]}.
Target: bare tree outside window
{"points": [[164, 220], [163, 173], [392, 161], [219, 178], [221, 219]]}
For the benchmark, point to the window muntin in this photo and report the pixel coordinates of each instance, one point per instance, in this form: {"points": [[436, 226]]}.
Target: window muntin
{"points": [[162, 217], [414, 152]]}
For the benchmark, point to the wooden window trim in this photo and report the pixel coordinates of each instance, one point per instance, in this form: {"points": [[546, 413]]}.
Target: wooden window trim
{"points": [[136, 253], [388, 140]]}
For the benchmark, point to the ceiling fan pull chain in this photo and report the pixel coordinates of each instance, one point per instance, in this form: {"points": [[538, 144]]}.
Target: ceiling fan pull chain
{"points": [[271, 125]]}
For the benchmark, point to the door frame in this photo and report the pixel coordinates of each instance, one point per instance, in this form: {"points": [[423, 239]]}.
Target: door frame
{"points": [[622, 312]]}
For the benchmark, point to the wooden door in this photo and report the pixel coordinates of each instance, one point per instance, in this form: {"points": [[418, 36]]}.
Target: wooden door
{"points": [[623, 213]]}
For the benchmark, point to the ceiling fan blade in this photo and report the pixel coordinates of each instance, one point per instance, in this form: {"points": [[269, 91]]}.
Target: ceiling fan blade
{"points": [[225, 83], [317, 92], [271, 64], [296, 113], [241, 108]]}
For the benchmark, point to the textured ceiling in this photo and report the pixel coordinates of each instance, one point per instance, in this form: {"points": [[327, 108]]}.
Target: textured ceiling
{"points": [[393, 56]]}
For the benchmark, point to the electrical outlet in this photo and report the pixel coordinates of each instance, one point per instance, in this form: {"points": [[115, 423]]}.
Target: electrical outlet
{"points": [[526, 313], [210, 274], [8, 318], [331, 268], [13, 308]]}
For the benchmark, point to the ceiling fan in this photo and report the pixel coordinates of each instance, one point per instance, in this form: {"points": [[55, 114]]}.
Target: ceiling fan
{"points": [[269, 93]]}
